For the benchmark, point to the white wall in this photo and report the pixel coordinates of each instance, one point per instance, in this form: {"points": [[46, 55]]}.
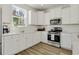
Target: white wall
{"points": [[0, 24], [0, 30]]}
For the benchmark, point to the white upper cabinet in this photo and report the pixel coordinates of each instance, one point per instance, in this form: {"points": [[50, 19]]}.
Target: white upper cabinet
{"points": [[75, 14], [70, 15], [41, 18], [36, 17], [66, 13], [6, 14], [32, 17], [47, 18], [51, 14], [55, 13]]}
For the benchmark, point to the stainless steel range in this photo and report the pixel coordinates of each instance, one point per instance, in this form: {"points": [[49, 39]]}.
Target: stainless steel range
{"points": [[54, 35]]}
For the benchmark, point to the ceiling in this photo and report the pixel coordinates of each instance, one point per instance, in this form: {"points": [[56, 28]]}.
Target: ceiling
{"points": [[44, 6]]}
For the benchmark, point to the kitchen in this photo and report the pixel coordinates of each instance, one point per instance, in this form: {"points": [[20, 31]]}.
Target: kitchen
{"points": [[27, 25]]}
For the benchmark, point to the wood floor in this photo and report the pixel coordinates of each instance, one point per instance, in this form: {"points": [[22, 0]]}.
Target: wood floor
{"points": [[45, 49]]}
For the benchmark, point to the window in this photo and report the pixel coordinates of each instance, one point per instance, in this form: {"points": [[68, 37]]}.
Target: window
{"points": [[19, 16]]}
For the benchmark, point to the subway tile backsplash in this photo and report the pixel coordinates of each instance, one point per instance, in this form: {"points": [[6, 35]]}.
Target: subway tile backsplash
{"points": [[65, 28]]}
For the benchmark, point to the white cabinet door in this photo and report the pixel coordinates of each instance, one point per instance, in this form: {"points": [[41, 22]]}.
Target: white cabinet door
{"points": [[44, 37], [52, 14], [75, 44], [6, 13], [21, 43], [47, 18], [32, 39], [66, 15], [75, 14], [36, 38], [41, 19], [57, 12], [66, 39], [9, 45], [29, 37], [39, 36], [33, 17], [29, 40], [13, 44]]}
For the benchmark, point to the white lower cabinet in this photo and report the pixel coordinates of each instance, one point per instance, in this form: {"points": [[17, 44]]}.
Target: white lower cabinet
{"points": [[13, 44], [21, 42], [9, 45], [29, 40], [75, 45], [36, 38], [66, 40], [44, 37]]}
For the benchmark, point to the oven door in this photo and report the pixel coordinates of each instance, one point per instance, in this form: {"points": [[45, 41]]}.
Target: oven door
{"points": [[49, 37], [52, 37], [57, 38]]}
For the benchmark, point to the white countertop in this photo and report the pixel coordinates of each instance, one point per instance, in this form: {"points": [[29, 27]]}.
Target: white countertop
{"points": [[9, 34], [28, 32], [69, 32]]}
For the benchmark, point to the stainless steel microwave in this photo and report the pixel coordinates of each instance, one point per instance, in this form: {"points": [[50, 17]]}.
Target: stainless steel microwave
{"points": [[55, 21]]}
